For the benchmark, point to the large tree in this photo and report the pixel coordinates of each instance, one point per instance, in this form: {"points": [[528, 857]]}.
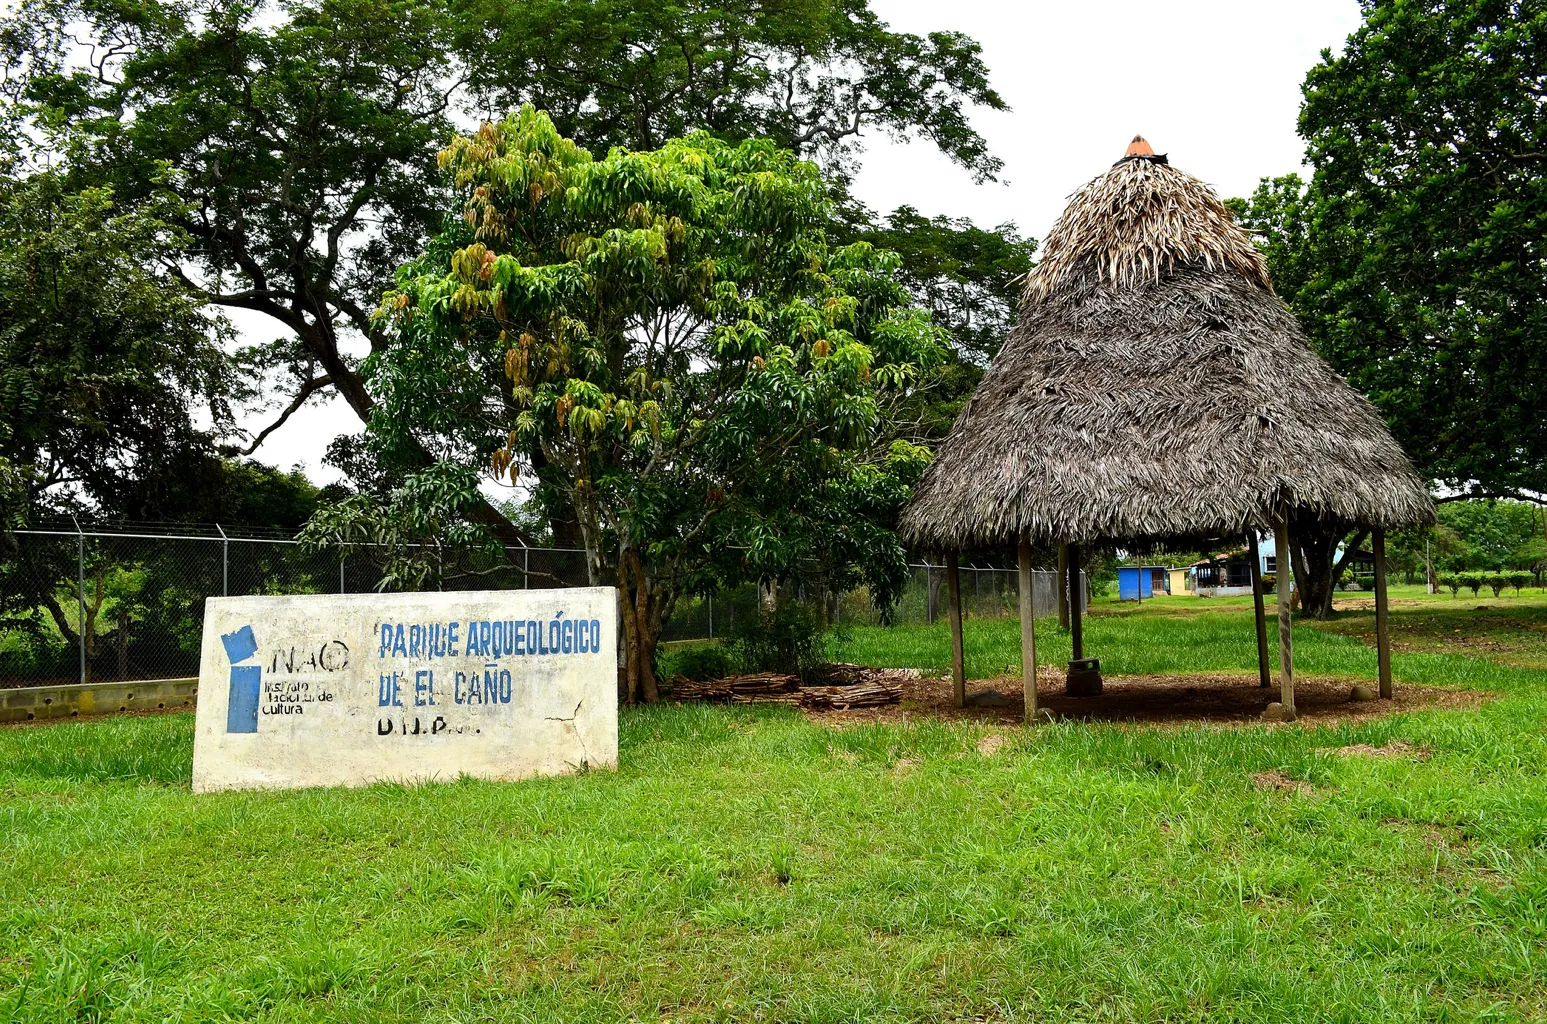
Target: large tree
{"points": [[1414, 255], [107, 366], [666, 340], [109, 374], [1428, 211], [302, 135], [810, 74], [969, 278]]}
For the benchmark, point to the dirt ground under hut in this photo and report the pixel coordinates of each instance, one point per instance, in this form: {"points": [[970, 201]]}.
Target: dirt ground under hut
{"points": [[1217, 698]]}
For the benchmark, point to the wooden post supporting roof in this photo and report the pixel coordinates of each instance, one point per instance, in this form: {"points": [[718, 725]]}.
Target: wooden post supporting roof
{"points": [[1382, 614], [1286, 656], [958, 654], [1028, 632], [1264, 673], [1071, 586], [1063, 586]]}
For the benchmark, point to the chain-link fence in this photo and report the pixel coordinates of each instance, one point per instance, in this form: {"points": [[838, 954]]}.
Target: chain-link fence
{"points": [[95, 606]]}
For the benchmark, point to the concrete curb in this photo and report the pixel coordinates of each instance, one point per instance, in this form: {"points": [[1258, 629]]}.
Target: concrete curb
{"points": [[38, 703]]}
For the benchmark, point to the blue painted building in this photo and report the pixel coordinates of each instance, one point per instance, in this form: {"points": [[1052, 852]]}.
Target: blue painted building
{"points": [[1134, 583]]}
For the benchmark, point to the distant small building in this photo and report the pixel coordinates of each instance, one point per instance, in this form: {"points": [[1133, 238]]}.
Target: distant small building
{"points": [[1178, 581], [1134, 583], [1225, 575]]}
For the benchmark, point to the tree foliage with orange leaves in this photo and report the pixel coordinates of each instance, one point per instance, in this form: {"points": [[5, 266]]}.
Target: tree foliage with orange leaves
{"points": [[665, 342]]}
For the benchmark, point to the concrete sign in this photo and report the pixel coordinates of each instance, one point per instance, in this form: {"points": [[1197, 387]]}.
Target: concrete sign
{"points": [[326, 690]]}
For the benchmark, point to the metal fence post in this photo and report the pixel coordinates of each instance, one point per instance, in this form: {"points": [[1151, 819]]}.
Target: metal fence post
{"points": [[80, 592], [225, 563], [526, 568], [343, 553], [711, 616]]}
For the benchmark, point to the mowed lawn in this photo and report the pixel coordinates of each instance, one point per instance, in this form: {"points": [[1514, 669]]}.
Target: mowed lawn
{"points": [[746, 864]]}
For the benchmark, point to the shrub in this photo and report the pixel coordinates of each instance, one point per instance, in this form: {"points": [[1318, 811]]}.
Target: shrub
{"points": [[1366, 582], [29, 657], [702, 663], [1450, 581], [1347, 579], [1269, 582], [1518, 578], [792, 639], [1496, 581], [1473, 581]]}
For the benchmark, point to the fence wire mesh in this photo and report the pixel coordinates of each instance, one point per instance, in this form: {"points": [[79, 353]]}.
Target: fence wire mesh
{"points": [[82, 605]]}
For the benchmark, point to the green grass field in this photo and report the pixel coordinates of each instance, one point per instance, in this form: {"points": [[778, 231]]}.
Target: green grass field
{"points": [[746, 864]]}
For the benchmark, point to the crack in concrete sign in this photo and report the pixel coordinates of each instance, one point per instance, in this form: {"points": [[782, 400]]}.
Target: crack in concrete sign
{"points": [[585, 754]]}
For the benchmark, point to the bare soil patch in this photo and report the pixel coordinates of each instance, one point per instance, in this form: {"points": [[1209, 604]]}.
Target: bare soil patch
{"points": [[1282, 783], [1395, 748], [1180, 699]]}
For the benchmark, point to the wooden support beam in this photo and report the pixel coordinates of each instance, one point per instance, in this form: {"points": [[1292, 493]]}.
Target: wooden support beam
{"points": [[1063, 586], [1028, 632], [1264, 672], [1286, 657], [1382, 614], [958, 654], [1071, 584]]}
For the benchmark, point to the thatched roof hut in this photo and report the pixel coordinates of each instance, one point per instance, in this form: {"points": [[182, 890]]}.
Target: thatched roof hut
{"points": [[1156, 387]]}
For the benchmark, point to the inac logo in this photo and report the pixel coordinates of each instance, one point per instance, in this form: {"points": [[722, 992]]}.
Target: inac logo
{"points": [[242, 708]]}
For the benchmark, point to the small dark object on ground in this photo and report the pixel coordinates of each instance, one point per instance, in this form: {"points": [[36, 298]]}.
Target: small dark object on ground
{"points": [[1084, 679], [1361, 692]]}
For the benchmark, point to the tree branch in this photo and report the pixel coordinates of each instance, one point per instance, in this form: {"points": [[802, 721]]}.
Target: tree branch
{"points": [[1506, 494], [308, 389]]}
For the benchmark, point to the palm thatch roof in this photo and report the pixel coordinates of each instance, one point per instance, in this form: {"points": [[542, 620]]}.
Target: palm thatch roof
{"points": [[1156, 387]]}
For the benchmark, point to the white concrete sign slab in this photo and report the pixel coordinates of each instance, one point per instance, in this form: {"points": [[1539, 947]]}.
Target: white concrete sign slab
{"points": [[349, 689]]}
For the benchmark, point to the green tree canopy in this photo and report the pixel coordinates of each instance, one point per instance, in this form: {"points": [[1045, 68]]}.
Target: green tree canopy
{"points": [[809, 74], [106, 366], [969, 278], [1415, 255], [303, 134], [667, 342]]}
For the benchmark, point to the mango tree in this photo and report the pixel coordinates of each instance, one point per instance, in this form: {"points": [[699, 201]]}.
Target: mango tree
{"points": [[665, 343]]}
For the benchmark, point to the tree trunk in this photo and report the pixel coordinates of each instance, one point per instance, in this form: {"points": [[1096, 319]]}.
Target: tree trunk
{"points": [[643, 607], [1316, 568]]}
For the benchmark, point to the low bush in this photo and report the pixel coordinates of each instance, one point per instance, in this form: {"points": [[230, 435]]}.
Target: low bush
{"points": [[792, 639], [27, 657], [1473, 581], [1450, 581], [701, 663], [1518, 578], [1496, 582], [1366, 582]]}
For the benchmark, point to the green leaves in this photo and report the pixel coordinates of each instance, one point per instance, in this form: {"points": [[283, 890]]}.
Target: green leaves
{"points": [[1414, 256], [664, 342]]}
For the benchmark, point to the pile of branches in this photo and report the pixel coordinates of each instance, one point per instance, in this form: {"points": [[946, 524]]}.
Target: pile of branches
{"points": [[773, 687], [845, 674], [841, 698], [848, 686]]}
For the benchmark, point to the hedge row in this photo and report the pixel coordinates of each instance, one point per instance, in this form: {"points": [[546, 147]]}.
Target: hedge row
{"points": [[1475, 581]]}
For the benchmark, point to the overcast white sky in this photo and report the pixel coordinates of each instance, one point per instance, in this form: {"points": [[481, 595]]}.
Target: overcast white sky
{"points": [[1214, 83]]}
